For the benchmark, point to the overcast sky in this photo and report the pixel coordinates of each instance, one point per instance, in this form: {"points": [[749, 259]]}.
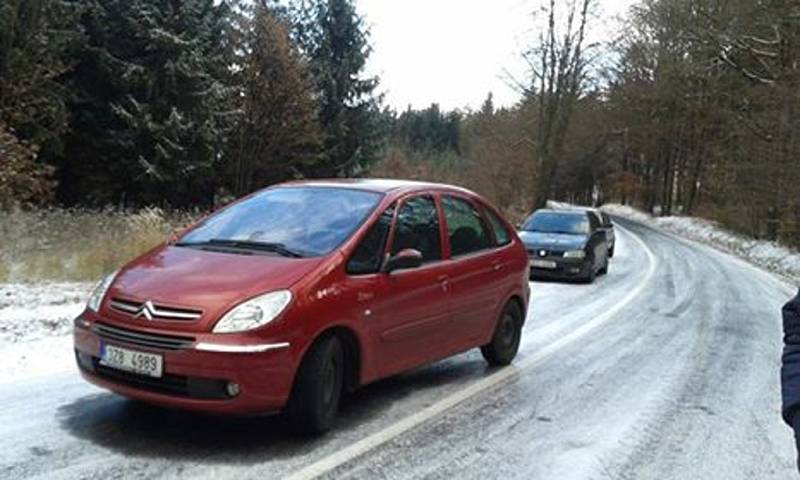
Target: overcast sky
{"points": [[454, 52]]}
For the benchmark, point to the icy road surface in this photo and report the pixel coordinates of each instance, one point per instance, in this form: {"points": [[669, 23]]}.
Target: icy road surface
{"points": [[667, 368]]}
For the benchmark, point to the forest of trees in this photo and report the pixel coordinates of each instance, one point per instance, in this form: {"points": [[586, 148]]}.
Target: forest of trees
{"points": [[690, 108], [177, 102]]}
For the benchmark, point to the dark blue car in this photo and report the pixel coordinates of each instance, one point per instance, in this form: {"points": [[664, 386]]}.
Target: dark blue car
{"points": [[565, 244]]}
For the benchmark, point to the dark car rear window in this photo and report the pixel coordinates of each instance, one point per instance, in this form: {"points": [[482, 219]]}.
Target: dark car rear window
{"points": [[558, 222]]}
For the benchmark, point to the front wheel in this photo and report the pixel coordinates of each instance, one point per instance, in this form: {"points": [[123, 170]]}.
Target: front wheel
{"points": [[507, 335], [591, 273], [314, 401], [604, 270]]}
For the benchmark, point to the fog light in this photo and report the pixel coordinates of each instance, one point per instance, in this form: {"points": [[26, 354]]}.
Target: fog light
{"points": [[84, 360], [232, 388], [81, 322]]}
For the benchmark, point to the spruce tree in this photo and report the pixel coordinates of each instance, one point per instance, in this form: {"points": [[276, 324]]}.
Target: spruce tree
{"points": [[336, 40], [148, 92]]}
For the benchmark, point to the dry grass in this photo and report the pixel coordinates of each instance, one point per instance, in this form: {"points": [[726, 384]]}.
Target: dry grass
{"points": [[77, 245]]}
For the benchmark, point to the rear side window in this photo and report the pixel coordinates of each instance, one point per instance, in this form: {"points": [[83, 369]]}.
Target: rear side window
{"points": [[417, 227], [606, 220], [500, 232], [465, 228], [369, 253]]}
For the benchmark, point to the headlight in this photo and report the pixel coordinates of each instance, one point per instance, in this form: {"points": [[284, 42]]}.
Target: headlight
{"points": [[575, 254], [254, 313], [99, 292]]}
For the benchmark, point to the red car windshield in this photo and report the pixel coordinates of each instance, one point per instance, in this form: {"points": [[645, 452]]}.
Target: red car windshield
{"points": [[296, 221]]}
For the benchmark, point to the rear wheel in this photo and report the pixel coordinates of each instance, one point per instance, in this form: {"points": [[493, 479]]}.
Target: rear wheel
{"points": [[611, 252], [317, 391], [507, 335]]}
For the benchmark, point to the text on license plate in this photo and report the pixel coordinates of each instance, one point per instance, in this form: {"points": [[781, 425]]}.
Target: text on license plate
{"points": [[549, 264], [132, 361]]}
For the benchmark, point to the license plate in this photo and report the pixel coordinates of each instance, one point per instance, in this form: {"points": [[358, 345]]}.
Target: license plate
{"points": [[548, 264], [148, 364]]}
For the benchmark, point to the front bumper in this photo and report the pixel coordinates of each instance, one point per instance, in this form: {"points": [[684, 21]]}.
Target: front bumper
{"points": [[565, 269], [195, 376]]}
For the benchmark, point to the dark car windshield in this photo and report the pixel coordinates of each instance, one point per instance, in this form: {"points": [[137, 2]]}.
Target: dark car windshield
{"points": [[296, 221], [555, 222]]}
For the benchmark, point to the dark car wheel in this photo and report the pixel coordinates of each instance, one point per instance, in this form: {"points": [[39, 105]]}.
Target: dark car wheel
{"points": [[314, 401], [604, 270], [507, 335], [591, 273], [611, 252]]}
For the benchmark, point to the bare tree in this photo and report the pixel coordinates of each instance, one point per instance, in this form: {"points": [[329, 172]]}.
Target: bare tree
{"points": [[559, 65]]}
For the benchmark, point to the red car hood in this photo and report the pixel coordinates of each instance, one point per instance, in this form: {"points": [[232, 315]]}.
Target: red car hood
{"points": [[193, 279]]}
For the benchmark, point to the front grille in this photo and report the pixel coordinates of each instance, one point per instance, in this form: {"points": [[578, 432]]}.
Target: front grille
{"points": [[142, 339], [154, 311], [168, 384]]}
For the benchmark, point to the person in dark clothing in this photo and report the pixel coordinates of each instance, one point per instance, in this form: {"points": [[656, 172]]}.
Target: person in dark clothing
{"points": [[790, 371]]}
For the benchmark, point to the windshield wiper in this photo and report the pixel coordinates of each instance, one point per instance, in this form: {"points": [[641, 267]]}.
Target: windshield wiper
{"points": [[278, 248]]}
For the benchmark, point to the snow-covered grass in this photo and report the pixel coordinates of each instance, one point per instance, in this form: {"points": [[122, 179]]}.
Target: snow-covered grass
{"points": [[768, 255], [38, 310], [35, 325], [49, 260]]}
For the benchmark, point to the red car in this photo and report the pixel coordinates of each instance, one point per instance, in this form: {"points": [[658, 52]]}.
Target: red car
{"points": [[282, 300]]}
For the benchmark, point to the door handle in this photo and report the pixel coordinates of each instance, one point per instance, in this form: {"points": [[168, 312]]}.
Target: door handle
{"points": [[444, 281], [498, 266]]}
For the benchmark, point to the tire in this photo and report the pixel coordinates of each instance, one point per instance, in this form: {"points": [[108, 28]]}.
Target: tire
{"points": [[611, 252], [604, 270], [507, 335], [591, 273], [317, 391]]}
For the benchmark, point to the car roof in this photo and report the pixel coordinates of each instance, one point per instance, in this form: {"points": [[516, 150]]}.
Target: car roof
{"points": [[377, 185]]}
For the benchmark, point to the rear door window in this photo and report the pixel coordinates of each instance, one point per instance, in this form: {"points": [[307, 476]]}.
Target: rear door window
{"points": [[417, 227], [465, 228]]}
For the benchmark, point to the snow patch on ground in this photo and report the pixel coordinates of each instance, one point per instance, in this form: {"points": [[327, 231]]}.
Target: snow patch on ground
{"points": [[35, 325], [32, 311], [771, 256]]}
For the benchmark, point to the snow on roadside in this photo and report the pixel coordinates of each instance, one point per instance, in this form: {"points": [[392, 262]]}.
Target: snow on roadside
{"points": [[771, 256], [35, 325], [31, 311]]}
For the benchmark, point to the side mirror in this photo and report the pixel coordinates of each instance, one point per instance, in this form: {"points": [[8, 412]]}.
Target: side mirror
{"points": [[405, 259]]}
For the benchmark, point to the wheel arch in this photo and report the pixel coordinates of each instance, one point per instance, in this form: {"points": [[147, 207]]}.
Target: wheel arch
{"points": [[516, 298], [353, 351]]}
